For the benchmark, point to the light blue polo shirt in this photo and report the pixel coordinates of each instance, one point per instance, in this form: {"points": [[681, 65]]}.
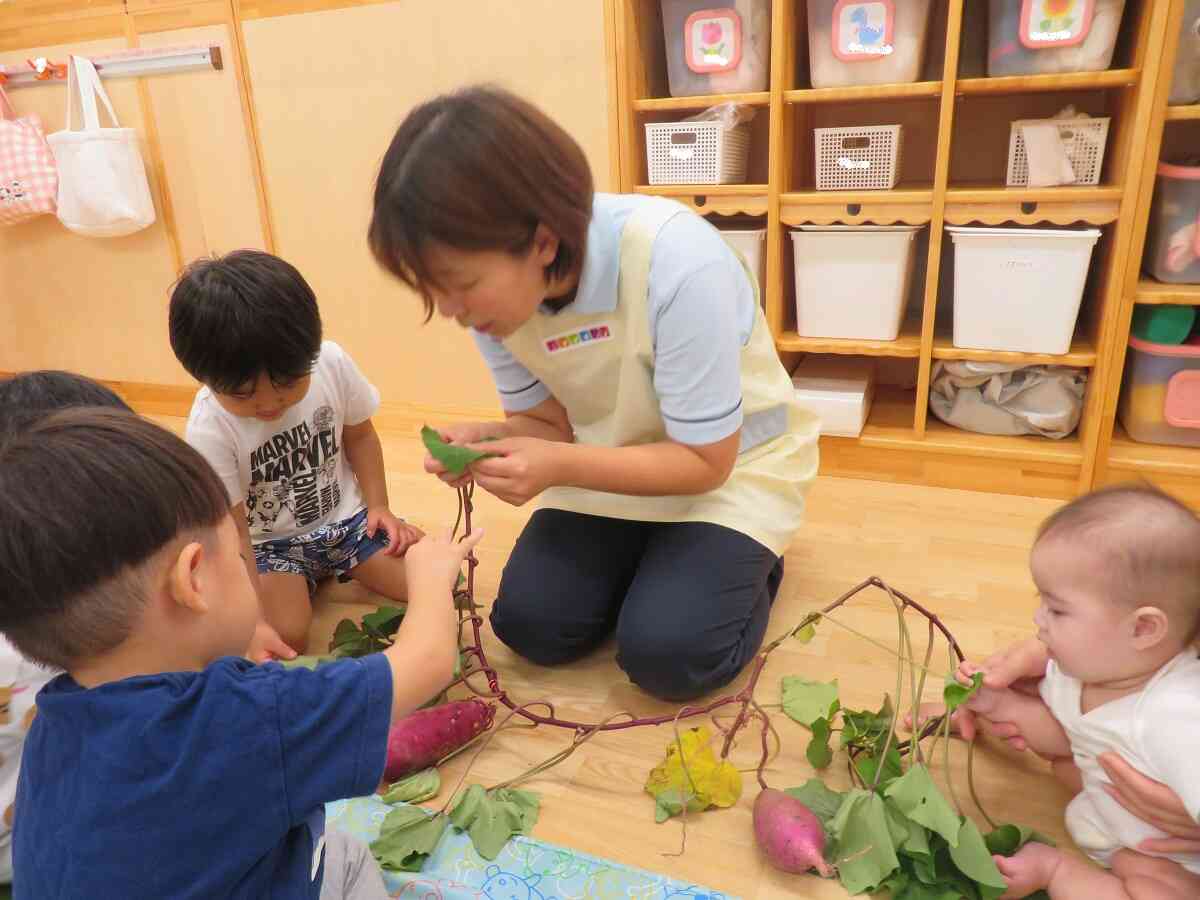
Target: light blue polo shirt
{"points": [[702, 311]]}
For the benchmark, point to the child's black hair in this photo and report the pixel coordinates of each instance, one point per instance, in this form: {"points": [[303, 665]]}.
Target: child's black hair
{"points": [[87, 497], [234, 317], [27, 397]]}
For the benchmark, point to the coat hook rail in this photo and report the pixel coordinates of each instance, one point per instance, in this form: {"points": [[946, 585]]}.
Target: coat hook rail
{"points": [[128, 63]]}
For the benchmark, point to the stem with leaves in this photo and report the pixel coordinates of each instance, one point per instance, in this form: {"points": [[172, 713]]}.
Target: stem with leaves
{"points": [[747, 708]]}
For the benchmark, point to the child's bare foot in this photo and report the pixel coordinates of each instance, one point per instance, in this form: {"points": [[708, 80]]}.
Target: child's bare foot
{"points": [[1031, 869]]}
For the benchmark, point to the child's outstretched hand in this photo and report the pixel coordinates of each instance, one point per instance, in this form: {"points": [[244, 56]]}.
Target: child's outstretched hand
{"points": [[267, 645], [433, 564], [400, 535]]}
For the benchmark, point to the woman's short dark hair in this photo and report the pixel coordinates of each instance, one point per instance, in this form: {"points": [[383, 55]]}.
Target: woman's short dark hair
{"points": [[87, 497], [233, 317], [29, 396], [479, 169]]}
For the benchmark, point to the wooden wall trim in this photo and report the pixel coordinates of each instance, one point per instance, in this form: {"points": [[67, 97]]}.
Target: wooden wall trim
{"points": [[395, 416], [268, 9], [159, 183], [149, 16], [76, 30], [16, 15], [614, 116], [246, 93]]}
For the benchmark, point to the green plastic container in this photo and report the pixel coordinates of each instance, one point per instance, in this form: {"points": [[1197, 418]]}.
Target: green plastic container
{"points": [[1163, 324]]}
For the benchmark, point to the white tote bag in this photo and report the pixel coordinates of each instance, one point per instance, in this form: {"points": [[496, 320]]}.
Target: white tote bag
{"points": [[102, 186]]}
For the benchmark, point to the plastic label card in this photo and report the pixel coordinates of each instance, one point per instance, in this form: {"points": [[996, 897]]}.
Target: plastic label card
{"points": [[1055, 23], [713, 40], [863, 31]]}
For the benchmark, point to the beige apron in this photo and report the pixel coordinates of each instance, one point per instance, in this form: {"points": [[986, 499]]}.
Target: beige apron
{"points": [[600, 367]]}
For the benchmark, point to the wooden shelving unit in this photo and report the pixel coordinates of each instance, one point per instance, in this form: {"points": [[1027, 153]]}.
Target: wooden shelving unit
{"points": [[906, 346], [864, 92], [953, 172], [1082, 354], [1156, 292], [1182, 113], [1030, 84], [1169, 131], [655, 104]]}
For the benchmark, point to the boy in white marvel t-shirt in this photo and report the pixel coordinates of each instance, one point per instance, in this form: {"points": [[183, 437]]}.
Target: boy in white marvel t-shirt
{"points": [[285, 420]]}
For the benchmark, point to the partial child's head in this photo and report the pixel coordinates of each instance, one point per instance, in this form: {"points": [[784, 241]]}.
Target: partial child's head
{"points": [[1118, 571], [27, 397], [110, 525], [482, 205], [246, 324]]}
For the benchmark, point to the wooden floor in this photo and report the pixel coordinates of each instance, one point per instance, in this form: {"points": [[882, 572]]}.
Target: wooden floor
{"points": [[962, 554]]}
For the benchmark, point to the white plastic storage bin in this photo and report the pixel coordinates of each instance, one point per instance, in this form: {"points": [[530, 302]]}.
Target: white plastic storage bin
{"points": [[696, 153], [1083, 140], [1035, 37], [853, 42], [717, 47], [751, 244], [862, 158], [839, 391], [1019, 288], [1173, 233], [852, 280], [1160, 396], [1185, 83]]}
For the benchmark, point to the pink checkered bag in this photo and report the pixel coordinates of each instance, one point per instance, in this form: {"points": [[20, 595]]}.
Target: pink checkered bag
{"points": [[28, 175]]}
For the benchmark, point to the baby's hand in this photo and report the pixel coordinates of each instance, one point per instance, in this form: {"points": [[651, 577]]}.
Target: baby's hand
{"points": [[967, 670], [433, 564]]}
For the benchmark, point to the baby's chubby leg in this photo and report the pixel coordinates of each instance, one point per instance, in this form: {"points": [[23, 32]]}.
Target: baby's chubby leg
{"points": [[1154, 878], [1062, 876]]}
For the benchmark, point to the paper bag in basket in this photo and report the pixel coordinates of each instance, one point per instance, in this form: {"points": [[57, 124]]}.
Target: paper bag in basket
{"points": [[102, 186], [28, 178]]}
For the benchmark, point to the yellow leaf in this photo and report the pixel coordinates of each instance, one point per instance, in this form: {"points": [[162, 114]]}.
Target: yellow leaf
{"points": [[714, 782]]}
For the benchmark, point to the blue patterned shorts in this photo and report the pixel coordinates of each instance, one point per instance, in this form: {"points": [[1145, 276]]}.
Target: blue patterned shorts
{"points": [[332, 549]]}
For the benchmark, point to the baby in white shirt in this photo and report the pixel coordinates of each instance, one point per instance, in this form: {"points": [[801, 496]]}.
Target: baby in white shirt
{"points": [[1118, 573]]}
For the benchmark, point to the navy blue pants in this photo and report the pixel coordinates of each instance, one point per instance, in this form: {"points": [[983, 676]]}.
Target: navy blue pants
{"points": [[689, 601]]}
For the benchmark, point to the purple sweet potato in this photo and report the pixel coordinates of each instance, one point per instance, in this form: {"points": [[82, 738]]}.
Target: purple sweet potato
{"points": [[422, 738], [789, 833]]}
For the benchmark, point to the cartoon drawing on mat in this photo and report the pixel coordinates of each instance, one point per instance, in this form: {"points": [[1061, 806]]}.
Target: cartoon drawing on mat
{"points": [[501, 885], [692, 894]]}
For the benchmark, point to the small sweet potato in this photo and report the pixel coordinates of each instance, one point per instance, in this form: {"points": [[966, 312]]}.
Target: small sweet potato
{"points": [[422, 738], [789, 833]]}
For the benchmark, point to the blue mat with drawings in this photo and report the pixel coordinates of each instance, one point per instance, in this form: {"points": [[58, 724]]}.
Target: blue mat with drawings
{"points": [[526, 869]]}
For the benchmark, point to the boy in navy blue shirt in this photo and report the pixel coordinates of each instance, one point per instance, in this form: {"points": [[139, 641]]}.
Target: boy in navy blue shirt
{"points": [[161, 765]]}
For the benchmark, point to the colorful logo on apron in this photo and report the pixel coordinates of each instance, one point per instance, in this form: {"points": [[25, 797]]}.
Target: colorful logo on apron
{"points": [[573, 340]]}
